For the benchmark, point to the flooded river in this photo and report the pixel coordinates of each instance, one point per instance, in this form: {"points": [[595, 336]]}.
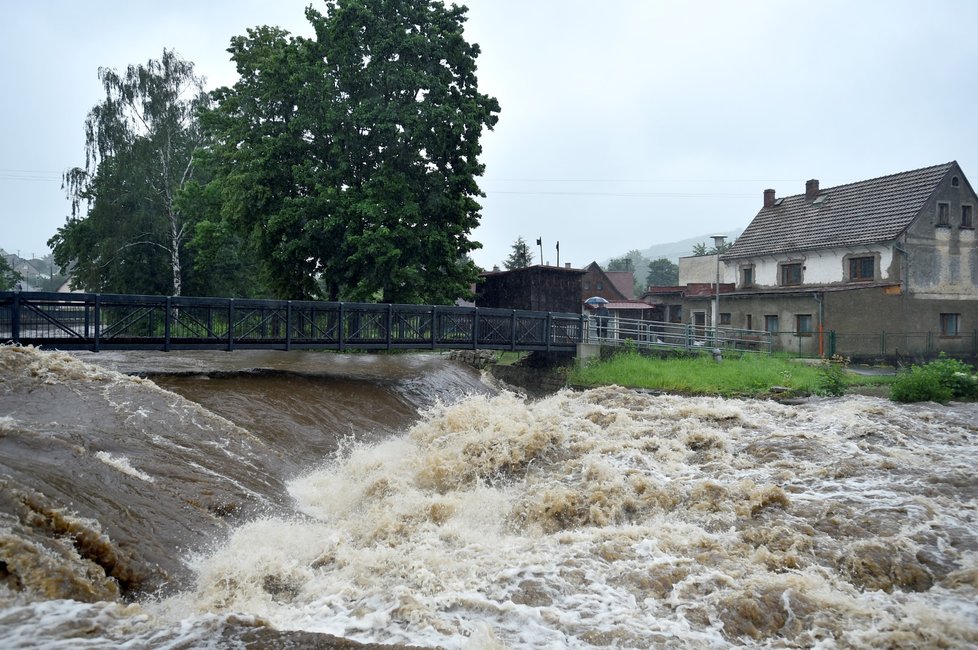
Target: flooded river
{"points": [[268, 499]]}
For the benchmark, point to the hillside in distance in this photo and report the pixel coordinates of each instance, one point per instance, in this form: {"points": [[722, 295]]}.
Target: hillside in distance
{"points": [[682, 248]]}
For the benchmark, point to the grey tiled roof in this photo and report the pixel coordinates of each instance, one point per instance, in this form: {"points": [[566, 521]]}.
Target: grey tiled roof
{"points": [[865, 212]]}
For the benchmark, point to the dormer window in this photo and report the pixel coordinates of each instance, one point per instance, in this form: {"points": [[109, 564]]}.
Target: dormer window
{"points": [[943, 214]]}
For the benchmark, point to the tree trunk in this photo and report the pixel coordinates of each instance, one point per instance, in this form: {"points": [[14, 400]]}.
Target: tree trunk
{"points": [[176, 237]]}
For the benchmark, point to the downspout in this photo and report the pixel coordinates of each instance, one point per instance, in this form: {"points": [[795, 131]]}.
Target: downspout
{"points": [[820, 301]]}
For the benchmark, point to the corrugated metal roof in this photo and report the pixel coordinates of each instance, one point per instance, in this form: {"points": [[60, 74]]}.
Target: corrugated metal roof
{"points": [[628, 304], [865, 212]]}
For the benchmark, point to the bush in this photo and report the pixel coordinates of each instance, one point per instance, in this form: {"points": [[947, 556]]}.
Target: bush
{"points": [[832, 376], [938, 381]]}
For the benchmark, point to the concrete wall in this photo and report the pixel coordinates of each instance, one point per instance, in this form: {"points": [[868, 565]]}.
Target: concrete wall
{"points": [[701, 269], [868, 322], [941, 261]]}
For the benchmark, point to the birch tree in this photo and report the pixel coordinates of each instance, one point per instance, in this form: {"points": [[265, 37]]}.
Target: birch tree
{"points": [[140, 146]]}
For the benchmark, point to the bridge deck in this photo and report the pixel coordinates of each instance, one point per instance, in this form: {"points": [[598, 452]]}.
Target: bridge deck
{"points": [[102, 322]]}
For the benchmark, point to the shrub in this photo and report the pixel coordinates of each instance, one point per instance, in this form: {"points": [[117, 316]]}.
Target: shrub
{"points": [[832, 379], [938, 381]]}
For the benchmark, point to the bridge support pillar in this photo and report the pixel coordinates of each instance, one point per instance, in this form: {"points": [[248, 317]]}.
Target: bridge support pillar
{"points": [[587, 352]]}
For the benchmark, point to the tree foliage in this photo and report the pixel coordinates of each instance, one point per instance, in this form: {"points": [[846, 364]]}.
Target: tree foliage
{"points": [[621, 264], [520, 257], [349, 159], [126, 233], [633, 261], [701, 249], [8, 276], [662, 272]]}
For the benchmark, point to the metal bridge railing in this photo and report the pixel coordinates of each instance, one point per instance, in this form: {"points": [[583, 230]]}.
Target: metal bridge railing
{"points": [[100, 321], [658, 334]]}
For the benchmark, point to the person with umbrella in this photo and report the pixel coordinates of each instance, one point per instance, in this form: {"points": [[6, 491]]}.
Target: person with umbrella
{"points": [[601, 312]]}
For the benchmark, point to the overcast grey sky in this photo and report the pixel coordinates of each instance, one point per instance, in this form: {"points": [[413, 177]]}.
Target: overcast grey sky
{"points": [[624, 124]]}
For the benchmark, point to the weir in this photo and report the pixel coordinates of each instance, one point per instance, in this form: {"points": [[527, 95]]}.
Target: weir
{"points": [[86, 321]]}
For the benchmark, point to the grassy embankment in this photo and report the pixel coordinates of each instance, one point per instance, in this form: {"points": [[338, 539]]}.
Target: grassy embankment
{"points": [[750, 375]]}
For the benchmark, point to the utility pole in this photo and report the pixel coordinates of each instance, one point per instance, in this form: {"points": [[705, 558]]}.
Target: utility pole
{"points": [[717, 243]]}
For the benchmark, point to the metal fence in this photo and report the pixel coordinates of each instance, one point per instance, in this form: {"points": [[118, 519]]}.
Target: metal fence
{"points": [[896, 345]]}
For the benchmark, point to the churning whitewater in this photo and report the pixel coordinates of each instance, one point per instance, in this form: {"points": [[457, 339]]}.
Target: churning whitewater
{"points": [[479, 519]]}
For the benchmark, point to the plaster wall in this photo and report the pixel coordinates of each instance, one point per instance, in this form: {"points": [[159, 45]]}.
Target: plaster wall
{"points": [[702, 269], [942, 255], [821, 267]]}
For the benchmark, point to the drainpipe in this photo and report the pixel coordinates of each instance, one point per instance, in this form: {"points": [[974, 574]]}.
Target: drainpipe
{"points": [[820, 301]]}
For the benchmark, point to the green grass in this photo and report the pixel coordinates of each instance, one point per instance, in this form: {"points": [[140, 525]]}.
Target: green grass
{"points": [[749, 375]]}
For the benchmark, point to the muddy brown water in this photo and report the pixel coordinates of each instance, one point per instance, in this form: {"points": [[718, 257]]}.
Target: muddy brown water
{"points": [[258, 499]]}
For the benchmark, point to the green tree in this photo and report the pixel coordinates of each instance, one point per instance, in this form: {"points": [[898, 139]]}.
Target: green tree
{"points": [[663, 272], [350, 158], [631, 261], [700, 249], [520, 257], [125, 232], [8, 276]]}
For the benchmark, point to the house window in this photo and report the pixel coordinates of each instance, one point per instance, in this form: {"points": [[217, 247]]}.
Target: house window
{"points": [[803, 324], [747, 276], [950, 324], [862, 268], [587, 285], [599, 286], [967, 220], [954, 181], [943, 214], [749, 322], [791, 274], [771, 324], [724, 318]]}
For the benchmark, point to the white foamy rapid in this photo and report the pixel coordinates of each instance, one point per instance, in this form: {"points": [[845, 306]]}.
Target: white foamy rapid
{"points": [[614, 518]]}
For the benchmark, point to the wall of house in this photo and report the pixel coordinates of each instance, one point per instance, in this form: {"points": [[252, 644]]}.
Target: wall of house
{"points": [[941, 260], [702, 269], [786, 307], [595, 282], [883, 322], [535, 289], [865, 323], [821, 267]]}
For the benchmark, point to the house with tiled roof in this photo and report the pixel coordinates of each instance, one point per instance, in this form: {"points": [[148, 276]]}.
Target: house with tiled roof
{"points": [[883, 267]]}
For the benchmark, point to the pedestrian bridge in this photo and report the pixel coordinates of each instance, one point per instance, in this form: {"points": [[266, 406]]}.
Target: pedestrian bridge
{"points": [[87, 321], [113, 322]]}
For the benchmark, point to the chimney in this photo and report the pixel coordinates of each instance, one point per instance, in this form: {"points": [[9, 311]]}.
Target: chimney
{"points": [[567, 265], [811, 189], [768, 198]]}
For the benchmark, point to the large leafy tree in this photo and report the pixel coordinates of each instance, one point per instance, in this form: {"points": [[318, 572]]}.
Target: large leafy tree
{"points": [[126, 232], [351, 158], [662, 272]]}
